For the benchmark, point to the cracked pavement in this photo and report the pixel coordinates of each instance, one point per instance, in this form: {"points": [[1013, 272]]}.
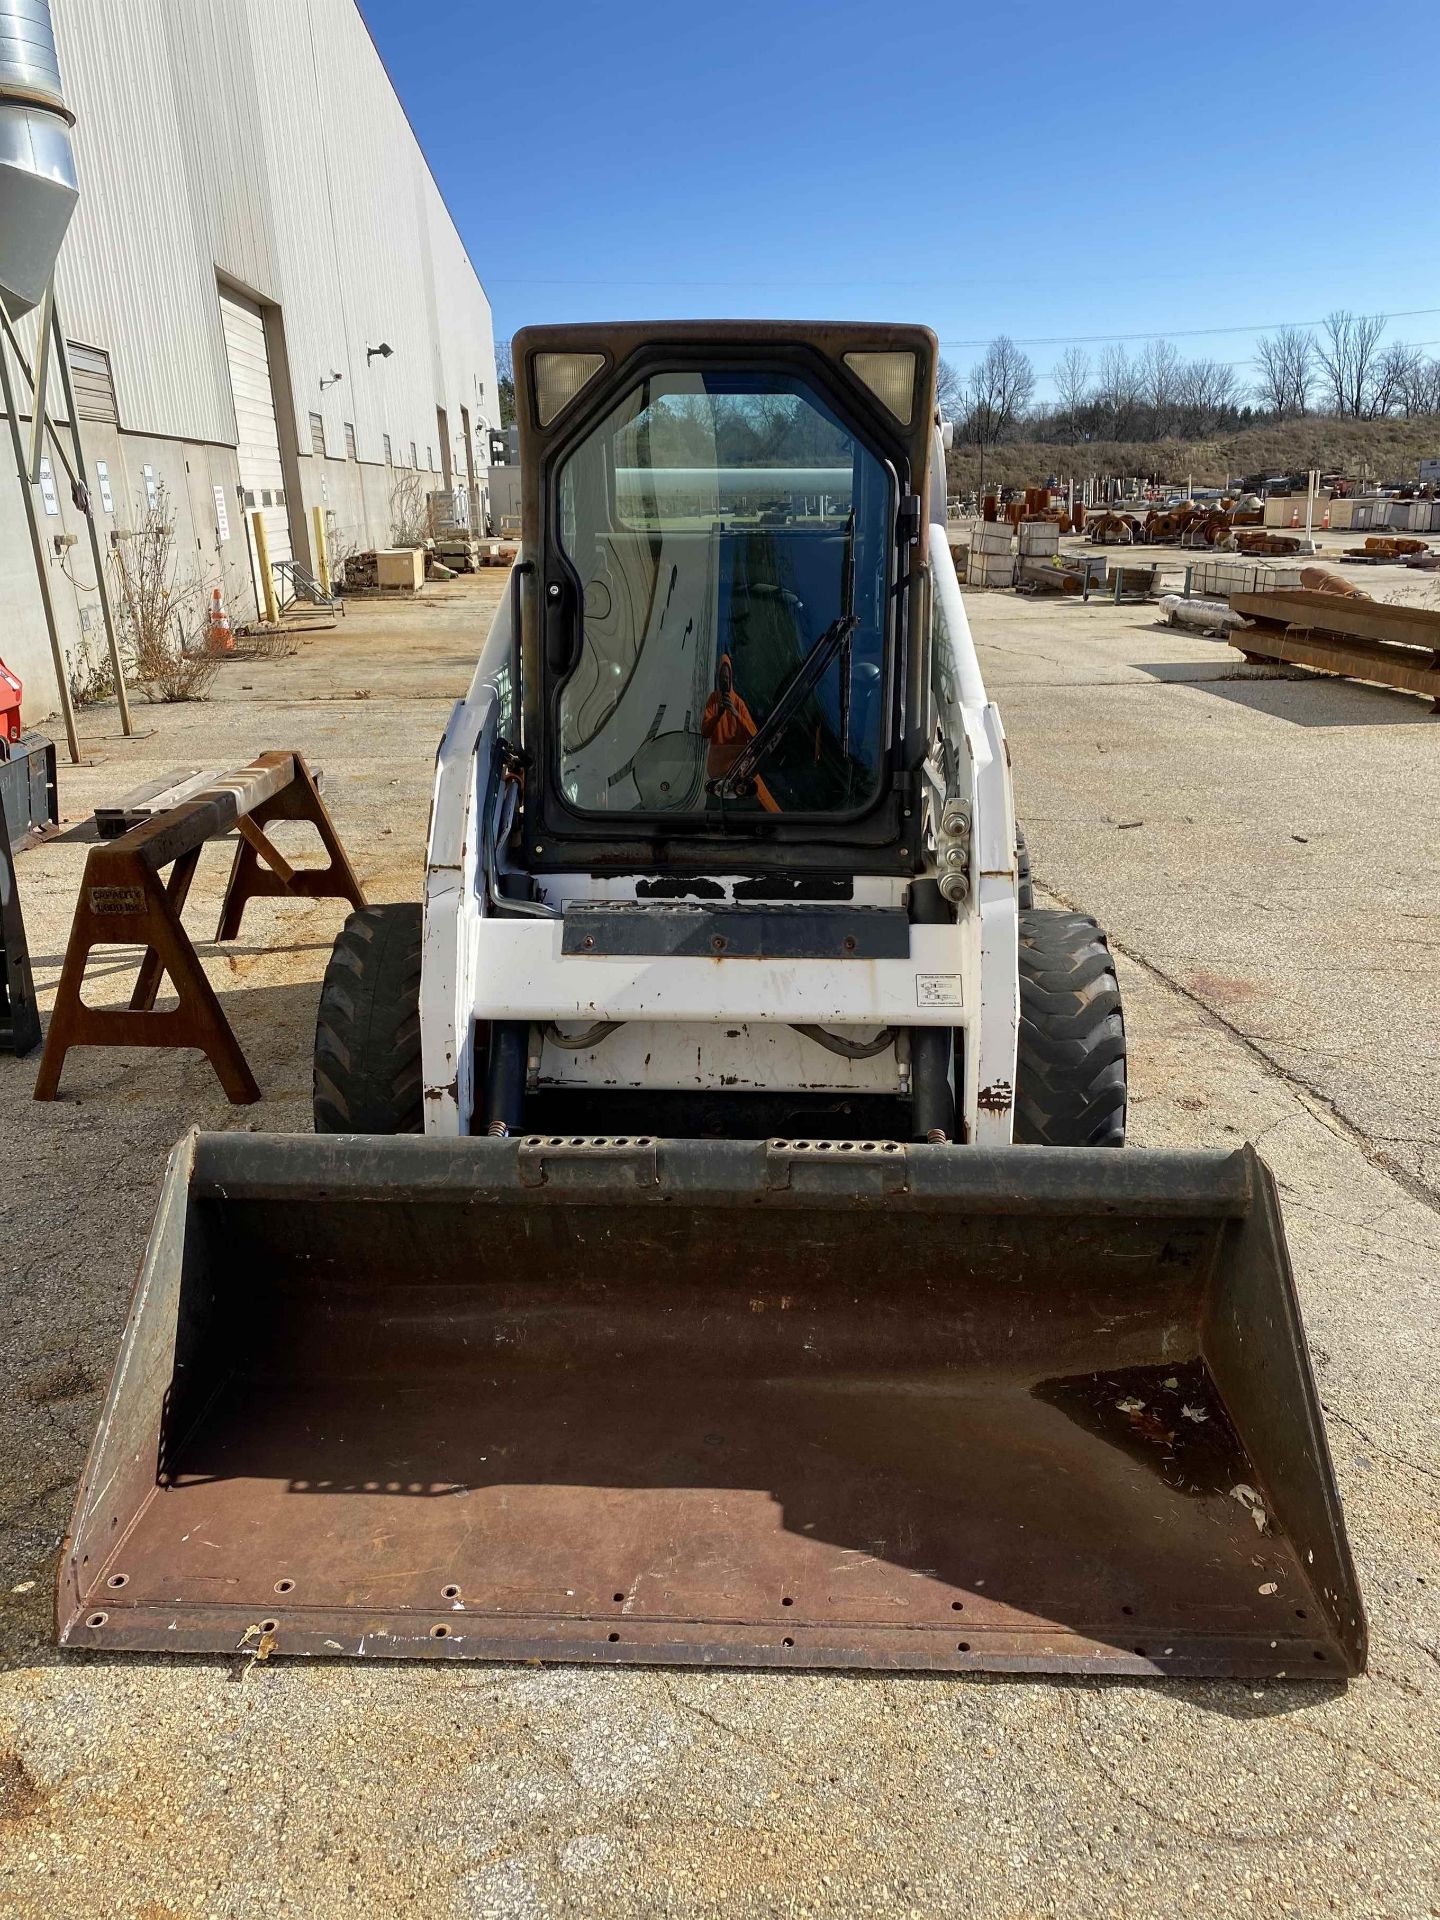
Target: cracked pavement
{"points": [[1265, 1001]]}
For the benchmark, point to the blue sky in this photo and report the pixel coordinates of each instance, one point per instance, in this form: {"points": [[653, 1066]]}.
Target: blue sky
{"points": [[981, 169]]}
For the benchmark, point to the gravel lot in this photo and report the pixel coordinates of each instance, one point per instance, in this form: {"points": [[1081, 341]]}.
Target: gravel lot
{"points": [[1263, 852]]}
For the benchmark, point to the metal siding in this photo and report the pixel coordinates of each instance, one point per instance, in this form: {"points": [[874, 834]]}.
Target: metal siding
{"points": [[262, 139], [133, 275]]}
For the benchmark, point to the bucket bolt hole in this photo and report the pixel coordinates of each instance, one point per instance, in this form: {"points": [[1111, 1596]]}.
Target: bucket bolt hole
{"points": [[96, 1619], [440, 1631], [284, 1586], [118, 1580], [452, 1592]]}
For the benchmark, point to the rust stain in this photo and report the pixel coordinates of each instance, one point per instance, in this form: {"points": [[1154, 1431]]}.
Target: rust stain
{"points": [[996, 1098], [19, 1794], [1223, 986]]}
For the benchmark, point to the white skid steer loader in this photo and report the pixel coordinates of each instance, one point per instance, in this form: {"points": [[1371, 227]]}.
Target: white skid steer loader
{"points": [[714, 1246]]}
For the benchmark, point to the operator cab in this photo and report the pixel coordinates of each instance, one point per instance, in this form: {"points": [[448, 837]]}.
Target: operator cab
{"points": [[721, 540]]}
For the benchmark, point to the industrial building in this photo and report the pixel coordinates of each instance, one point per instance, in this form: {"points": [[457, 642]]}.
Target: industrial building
{"points": [[267, 304]]}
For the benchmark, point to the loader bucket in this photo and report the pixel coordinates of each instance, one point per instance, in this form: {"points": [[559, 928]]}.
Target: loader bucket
{"points": [[785, 1404]]}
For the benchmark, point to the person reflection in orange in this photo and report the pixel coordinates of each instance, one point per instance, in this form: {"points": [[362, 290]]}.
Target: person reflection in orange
{"points": [[729, 726]]}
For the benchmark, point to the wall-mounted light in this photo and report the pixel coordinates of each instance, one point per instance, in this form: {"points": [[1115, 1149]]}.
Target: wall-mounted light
{"points": [[384, 350], [334, 377]]}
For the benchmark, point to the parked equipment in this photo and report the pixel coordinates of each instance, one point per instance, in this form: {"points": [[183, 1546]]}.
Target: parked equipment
{"points": [[797, 1309], [19, 1010]]}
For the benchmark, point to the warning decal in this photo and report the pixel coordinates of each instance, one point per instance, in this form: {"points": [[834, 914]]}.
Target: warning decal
{"points": [[938, 990]]}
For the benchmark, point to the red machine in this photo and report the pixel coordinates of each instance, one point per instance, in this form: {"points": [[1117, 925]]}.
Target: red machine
{"points": [[10, 691]]}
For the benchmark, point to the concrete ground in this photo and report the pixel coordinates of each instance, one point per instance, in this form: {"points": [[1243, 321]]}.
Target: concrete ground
{"points": [[1262, 850]]}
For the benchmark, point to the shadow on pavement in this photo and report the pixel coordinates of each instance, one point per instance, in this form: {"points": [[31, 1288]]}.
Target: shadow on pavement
{"points": [[1304, 699]]}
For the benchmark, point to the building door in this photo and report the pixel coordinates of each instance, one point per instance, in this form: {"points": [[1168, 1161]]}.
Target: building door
{"points": [[262, 483]]}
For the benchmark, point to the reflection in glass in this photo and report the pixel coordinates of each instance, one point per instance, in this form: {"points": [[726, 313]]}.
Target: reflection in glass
{"points": [[731, 537]]}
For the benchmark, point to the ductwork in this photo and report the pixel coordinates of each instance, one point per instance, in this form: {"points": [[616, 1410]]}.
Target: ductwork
{"points": [[38, 188]]}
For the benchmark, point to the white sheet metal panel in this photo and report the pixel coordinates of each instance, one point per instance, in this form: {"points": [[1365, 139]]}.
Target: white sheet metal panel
{"points": [[258, 445], [523, 975], [645, 1053], [261, 139], [213, 61], [135, 276]]}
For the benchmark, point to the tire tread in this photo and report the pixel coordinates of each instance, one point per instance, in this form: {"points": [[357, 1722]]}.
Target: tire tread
{"points": [[367, 1075], [1070, 1062]]}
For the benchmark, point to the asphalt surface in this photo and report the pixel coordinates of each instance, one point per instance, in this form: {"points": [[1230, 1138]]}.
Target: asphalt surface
{"points": [[1262, 850]]}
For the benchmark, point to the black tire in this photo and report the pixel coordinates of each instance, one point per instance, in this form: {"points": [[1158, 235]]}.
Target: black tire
{"points": [[1070, 1073], [367, 1032], [1026, 886]]}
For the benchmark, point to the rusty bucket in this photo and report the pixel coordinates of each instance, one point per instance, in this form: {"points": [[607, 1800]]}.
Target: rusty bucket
{"points": [[784, 1404]]}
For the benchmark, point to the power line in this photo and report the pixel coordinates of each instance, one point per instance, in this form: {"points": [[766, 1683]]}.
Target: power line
{"points": [[1183, 333], [1092, 339]]}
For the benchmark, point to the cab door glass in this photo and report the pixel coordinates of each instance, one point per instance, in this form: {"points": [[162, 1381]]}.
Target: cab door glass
{"points": [[731, 536]]}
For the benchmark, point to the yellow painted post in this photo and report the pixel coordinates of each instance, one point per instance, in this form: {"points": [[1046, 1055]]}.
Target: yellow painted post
{"points": [[322, 550], [262, 558]]}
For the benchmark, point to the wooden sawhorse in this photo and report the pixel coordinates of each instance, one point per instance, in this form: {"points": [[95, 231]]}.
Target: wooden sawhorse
{"points": [[124, 903]]}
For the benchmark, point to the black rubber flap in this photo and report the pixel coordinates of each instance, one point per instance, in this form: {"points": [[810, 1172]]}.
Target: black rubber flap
{"points": [[774, 931]]}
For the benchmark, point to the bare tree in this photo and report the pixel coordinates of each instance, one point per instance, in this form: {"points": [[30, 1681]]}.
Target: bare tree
{"points": [[1347, 351], [1399, 379], [997, 393], [1285, 366], [1158, 374], [160, 606], [1420, 389], [1072, 386], [949, 390], [409, 508], [1121, 391], [1207, 391], [505, 380]]}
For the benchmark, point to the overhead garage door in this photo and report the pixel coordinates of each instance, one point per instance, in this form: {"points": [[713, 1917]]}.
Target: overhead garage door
{"points": [[261, 480]]}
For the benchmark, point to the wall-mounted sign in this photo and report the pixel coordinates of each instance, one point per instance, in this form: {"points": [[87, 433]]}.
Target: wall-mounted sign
{"points": [[222, 514], [152, 491], [47, 487], [102, 474]]}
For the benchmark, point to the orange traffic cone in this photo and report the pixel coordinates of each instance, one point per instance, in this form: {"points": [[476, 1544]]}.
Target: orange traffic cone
{"points": [[1325, 521], [218, 637]]}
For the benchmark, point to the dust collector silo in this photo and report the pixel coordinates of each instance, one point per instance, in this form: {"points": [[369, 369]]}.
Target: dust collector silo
{"points": [[38, 189]]}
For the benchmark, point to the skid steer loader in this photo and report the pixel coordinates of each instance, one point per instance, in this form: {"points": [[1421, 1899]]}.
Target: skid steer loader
{"points": [[713, 1246]]}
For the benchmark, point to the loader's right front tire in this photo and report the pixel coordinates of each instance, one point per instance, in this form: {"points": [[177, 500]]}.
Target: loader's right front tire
{"points": [[1070, 1070], [367, 1032]]}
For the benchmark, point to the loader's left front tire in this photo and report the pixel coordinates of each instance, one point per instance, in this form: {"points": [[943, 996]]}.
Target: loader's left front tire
{"points": [[1070, 1086], [367, 1032], [1025, 885]]}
